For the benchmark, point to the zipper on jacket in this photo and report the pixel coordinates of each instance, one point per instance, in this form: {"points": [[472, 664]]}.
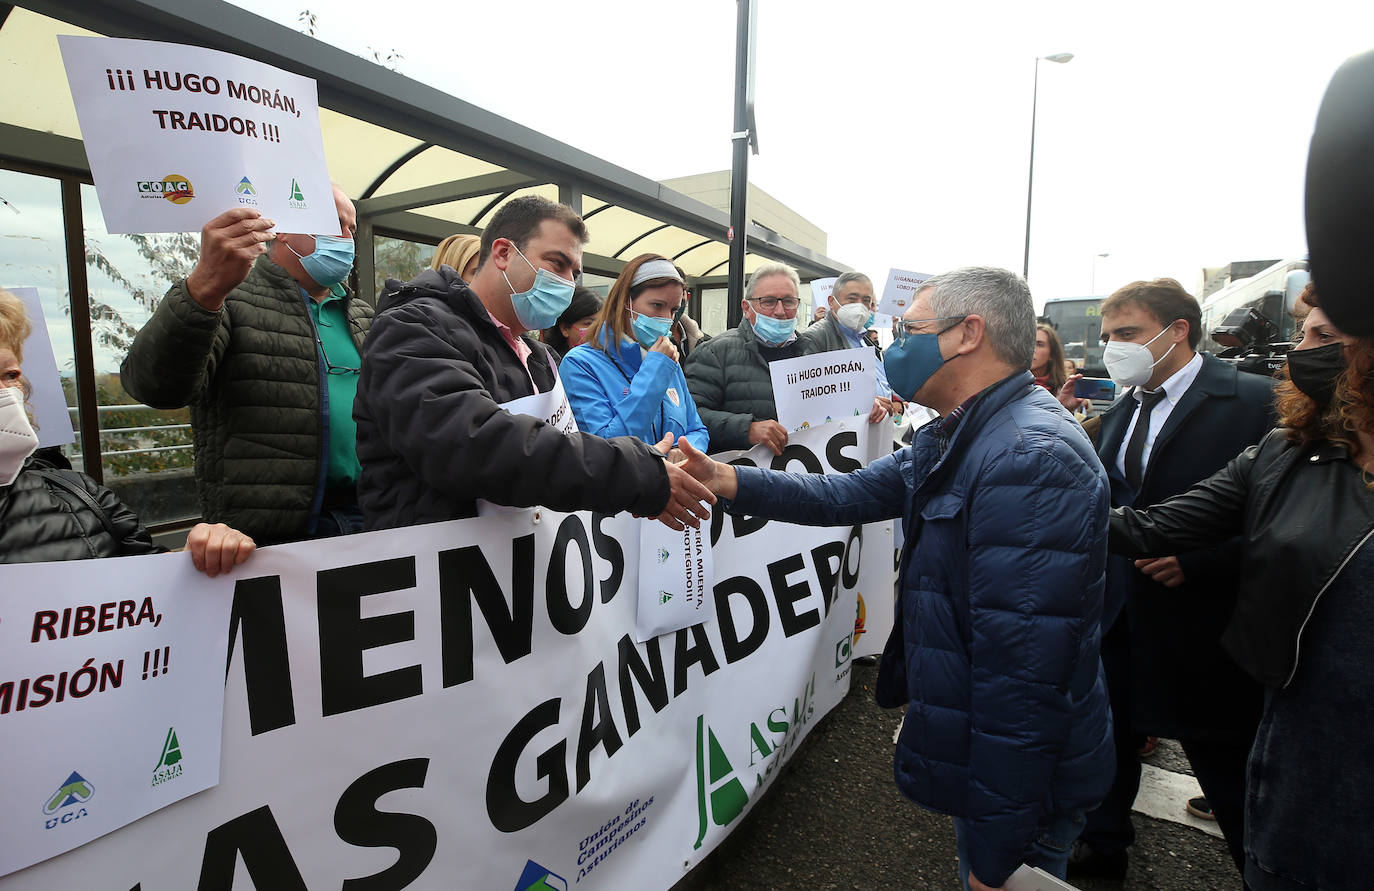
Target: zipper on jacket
{"points": [[322, 438], [1297, 646]]}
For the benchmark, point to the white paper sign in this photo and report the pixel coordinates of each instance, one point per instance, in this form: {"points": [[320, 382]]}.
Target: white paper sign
{"points": [[821, 289], [675, 579], [111, 696], [176, 135], [553, 409], [900, 288], [49, 403], [814, 390], [1033, 878]]}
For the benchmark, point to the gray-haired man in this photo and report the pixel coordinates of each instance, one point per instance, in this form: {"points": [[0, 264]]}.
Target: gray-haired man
{"points": [[851, 313], [728, 375], [995, 649]]}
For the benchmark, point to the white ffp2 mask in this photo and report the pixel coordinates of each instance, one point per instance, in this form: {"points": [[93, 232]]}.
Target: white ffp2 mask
{"points": [[1130, 364], [17, 439]]}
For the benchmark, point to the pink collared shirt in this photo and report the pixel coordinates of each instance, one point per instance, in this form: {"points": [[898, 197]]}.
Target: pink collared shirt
{"points": [[522, 349]]}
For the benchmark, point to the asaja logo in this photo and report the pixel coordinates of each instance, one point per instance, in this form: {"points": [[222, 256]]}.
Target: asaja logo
{"points": [[537, 878], [721, 793], [664, 597], [169, 762], [76, 790], [174, 187], [297, 198]]}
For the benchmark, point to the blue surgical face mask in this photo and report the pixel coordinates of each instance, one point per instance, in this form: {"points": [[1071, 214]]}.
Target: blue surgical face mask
{"points": [[547, 298], [911, 360], [648, 329], [771, 331], [328, 264]]}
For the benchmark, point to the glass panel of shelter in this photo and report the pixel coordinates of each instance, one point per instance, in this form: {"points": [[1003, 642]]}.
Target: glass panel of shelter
{"points": [[33, 255], [146, 454]]}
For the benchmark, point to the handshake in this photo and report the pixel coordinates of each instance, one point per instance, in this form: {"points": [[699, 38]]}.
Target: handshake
{"points": [[694, 481]]}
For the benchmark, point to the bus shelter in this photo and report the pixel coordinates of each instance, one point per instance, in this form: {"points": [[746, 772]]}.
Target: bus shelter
{"points": [[419, 163]]}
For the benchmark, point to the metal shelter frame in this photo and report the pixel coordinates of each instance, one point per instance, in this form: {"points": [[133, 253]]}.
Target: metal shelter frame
{"points": [[420, 118]]}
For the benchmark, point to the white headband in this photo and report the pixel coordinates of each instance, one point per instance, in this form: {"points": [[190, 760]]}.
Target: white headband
{"points": [[655, 269]]}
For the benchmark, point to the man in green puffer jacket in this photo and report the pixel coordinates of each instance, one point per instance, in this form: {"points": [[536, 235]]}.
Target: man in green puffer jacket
{"points": [[262, 341]]}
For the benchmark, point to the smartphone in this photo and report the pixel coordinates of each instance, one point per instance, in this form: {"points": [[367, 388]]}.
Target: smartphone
{"points": [[1099, 388]]}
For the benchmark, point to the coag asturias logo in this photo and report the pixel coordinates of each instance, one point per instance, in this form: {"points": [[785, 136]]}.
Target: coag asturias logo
{"points": [[174, 187]]}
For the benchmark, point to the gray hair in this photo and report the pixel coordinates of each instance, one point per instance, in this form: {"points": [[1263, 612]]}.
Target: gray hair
{"points": [[772, 268], [847, 277], [1000, 297]]}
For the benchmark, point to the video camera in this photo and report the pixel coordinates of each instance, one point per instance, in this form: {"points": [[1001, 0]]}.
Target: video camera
{"points": [[1249, 340]]}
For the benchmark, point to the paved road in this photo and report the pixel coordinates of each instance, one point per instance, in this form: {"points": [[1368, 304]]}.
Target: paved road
{"points": [[836, 820]]}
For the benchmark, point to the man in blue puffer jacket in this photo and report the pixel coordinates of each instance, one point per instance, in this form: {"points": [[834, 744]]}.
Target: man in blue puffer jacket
{"points": [[995, 648]]}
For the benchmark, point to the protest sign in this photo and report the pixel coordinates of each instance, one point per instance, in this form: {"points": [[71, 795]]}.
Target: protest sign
{"points": [[675, 574], [821, 289], [553, 409], [107, 691], [462, 705], [823, 387], [176, 135], [900, 287], [52, 421]]}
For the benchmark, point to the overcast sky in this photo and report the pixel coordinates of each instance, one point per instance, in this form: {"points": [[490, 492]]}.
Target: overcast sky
{"points": [[1175, 138]]}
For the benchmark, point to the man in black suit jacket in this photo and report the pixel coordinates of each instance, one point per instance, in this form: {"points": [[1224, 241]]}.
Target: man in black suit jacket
{"points": [[1167, 673]]}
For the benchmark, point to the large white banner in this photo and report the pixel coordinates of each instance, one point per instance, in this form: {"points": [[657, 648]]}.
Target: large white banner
{"points": [[176, 135], [464, 705], [109, 706]]}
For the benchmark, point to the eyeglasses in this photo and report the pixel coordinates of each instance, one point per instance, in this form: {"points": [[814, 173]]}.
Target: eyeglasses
{"points": [[909, 328], [771, 303], [330, 367]]}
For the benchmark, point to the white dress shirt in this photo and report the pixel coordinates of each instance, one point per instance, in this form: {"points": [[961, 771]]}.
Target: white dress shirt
{"points": [[1173, 388]]}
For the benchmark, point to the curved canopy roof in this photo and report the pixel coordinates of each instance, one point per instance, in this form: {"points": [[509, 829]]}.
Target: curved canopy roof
{"points": [[420, 163]]}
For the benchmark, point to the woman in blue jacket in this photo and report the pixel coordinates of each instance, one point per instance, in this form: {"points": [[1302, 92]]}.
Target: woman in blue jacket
{"points": [[625, 380]]}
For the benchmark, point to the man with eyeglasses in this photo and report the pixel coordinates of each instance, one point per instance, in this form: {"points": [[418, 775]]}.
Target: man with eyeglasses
{"points": [[844, 327], [728, 375], [995, 649], [262, 341]]}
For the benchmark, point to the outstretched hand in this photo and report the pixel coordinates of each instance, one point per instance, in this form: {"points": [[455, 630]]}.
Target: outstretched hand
{"points": [[719, 478]]}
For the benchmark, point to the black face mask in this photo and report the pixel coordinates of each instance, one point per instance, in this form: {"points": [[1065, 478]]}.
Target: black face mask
{"points": [[1316, 371]]}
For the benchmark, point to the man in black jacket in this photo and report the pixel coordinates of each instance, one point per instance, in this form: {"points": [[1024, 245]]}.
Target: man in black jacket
{"points": [[1184, 416], [443, 360]]}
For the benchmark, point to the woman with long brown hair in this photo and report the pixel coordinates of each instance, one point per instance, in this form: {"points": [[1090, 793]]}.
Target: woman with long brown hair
{"points": [[1047, 362], [1303, 625], [626, 380]]}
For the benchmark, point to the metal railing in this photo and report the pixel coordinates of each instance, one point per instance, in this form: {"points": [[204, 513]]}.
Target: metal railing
{"points": [[103, 410]]}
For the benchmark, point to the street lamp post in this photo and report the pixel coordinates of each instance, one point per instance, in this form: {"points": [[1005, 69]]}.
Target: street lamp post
{"points": [[1061, 58], [1097, 257]]}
